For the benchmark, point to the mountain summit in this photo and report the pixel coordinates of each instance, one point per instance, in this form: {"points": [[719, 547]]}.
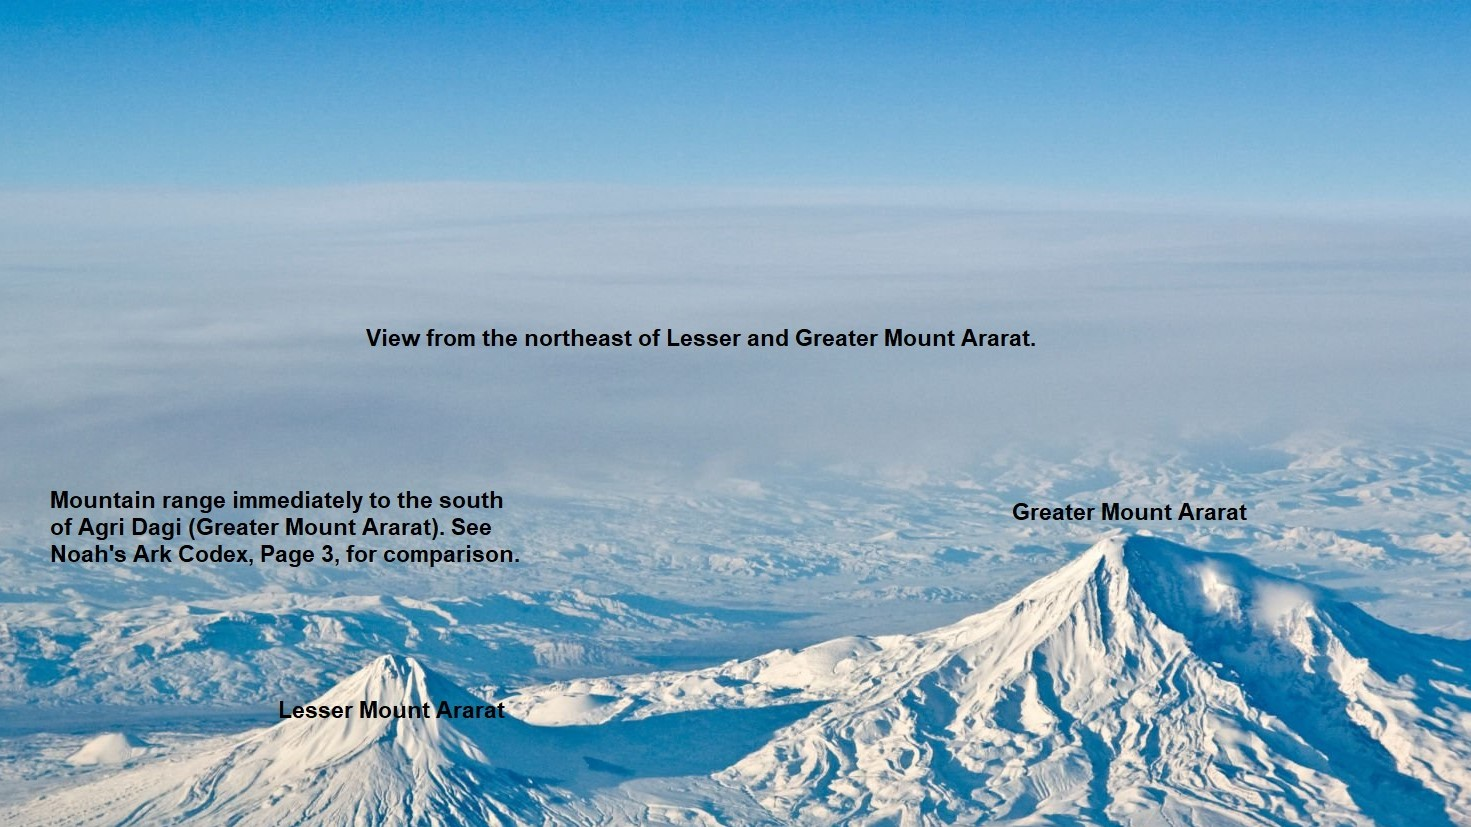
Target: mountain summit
{"points": [[1143, 683], [404, 765]]}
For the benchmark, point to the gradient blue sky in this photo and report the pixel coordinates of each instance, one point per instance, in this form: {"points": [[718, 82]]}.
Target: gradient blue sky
{"points": [[1261, 101]]}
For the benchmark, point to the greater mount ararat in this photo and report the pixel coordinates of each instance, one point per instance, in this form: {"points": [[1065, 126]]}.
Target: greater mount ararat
{"points": [[1142, 683]]}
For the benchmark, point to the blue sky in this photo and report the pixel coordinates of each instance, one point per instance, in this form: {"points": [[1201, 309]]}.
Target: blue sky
{"points": [[203, 206], [1296, 102]]}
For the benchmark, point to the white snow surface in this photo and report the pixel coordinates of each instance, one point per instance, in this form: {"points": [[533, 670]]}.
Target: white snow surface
{"points": [[1143, 683], [109, 748], [334, 771]]}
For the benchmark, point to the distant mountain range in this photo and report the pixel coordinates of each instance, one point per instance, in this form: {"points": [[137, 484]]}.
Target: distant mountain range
{"points": [[1143, 683]]}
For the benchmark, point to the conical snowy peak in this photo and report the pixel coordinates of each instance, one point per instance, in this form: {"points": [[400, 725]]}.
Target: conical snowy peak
{"points": [[388, 676], [392, 680], [109, 748], [1144, 683], [392, 744], [392, 710], [1165, 577]]}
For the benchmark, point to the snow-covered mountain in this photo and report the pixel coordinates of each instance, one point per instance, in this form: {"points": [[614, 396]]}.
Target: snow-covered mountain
{"points": [[248, 649], [1142, 683], [348, 770]]}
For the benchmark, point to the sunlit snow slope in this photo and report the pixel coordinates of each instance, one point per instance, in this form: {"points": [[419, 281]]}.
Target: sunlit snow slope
{"points": [[1142, 683], [336, 771]]}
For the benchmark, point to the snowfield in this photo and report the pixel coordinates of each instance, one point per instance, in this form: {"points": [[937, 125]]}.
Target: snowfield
{"points": [[1141, 683]]}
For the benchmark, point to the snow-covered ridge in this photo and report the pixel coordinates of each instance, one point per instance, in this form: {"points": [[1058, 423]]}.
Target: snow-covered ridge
{"points": [[248, 649], [1141, 683], [352, 769]]}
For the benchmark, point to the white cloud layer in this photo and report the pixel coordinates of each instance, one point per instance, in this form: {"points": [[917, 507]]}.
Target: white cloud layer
{"points": [[216, 338]]}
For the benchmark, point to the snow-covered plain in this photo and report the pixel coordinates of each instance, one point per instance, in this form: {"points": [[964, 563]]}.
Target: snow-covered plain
{"points": [[1139, 682]]}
